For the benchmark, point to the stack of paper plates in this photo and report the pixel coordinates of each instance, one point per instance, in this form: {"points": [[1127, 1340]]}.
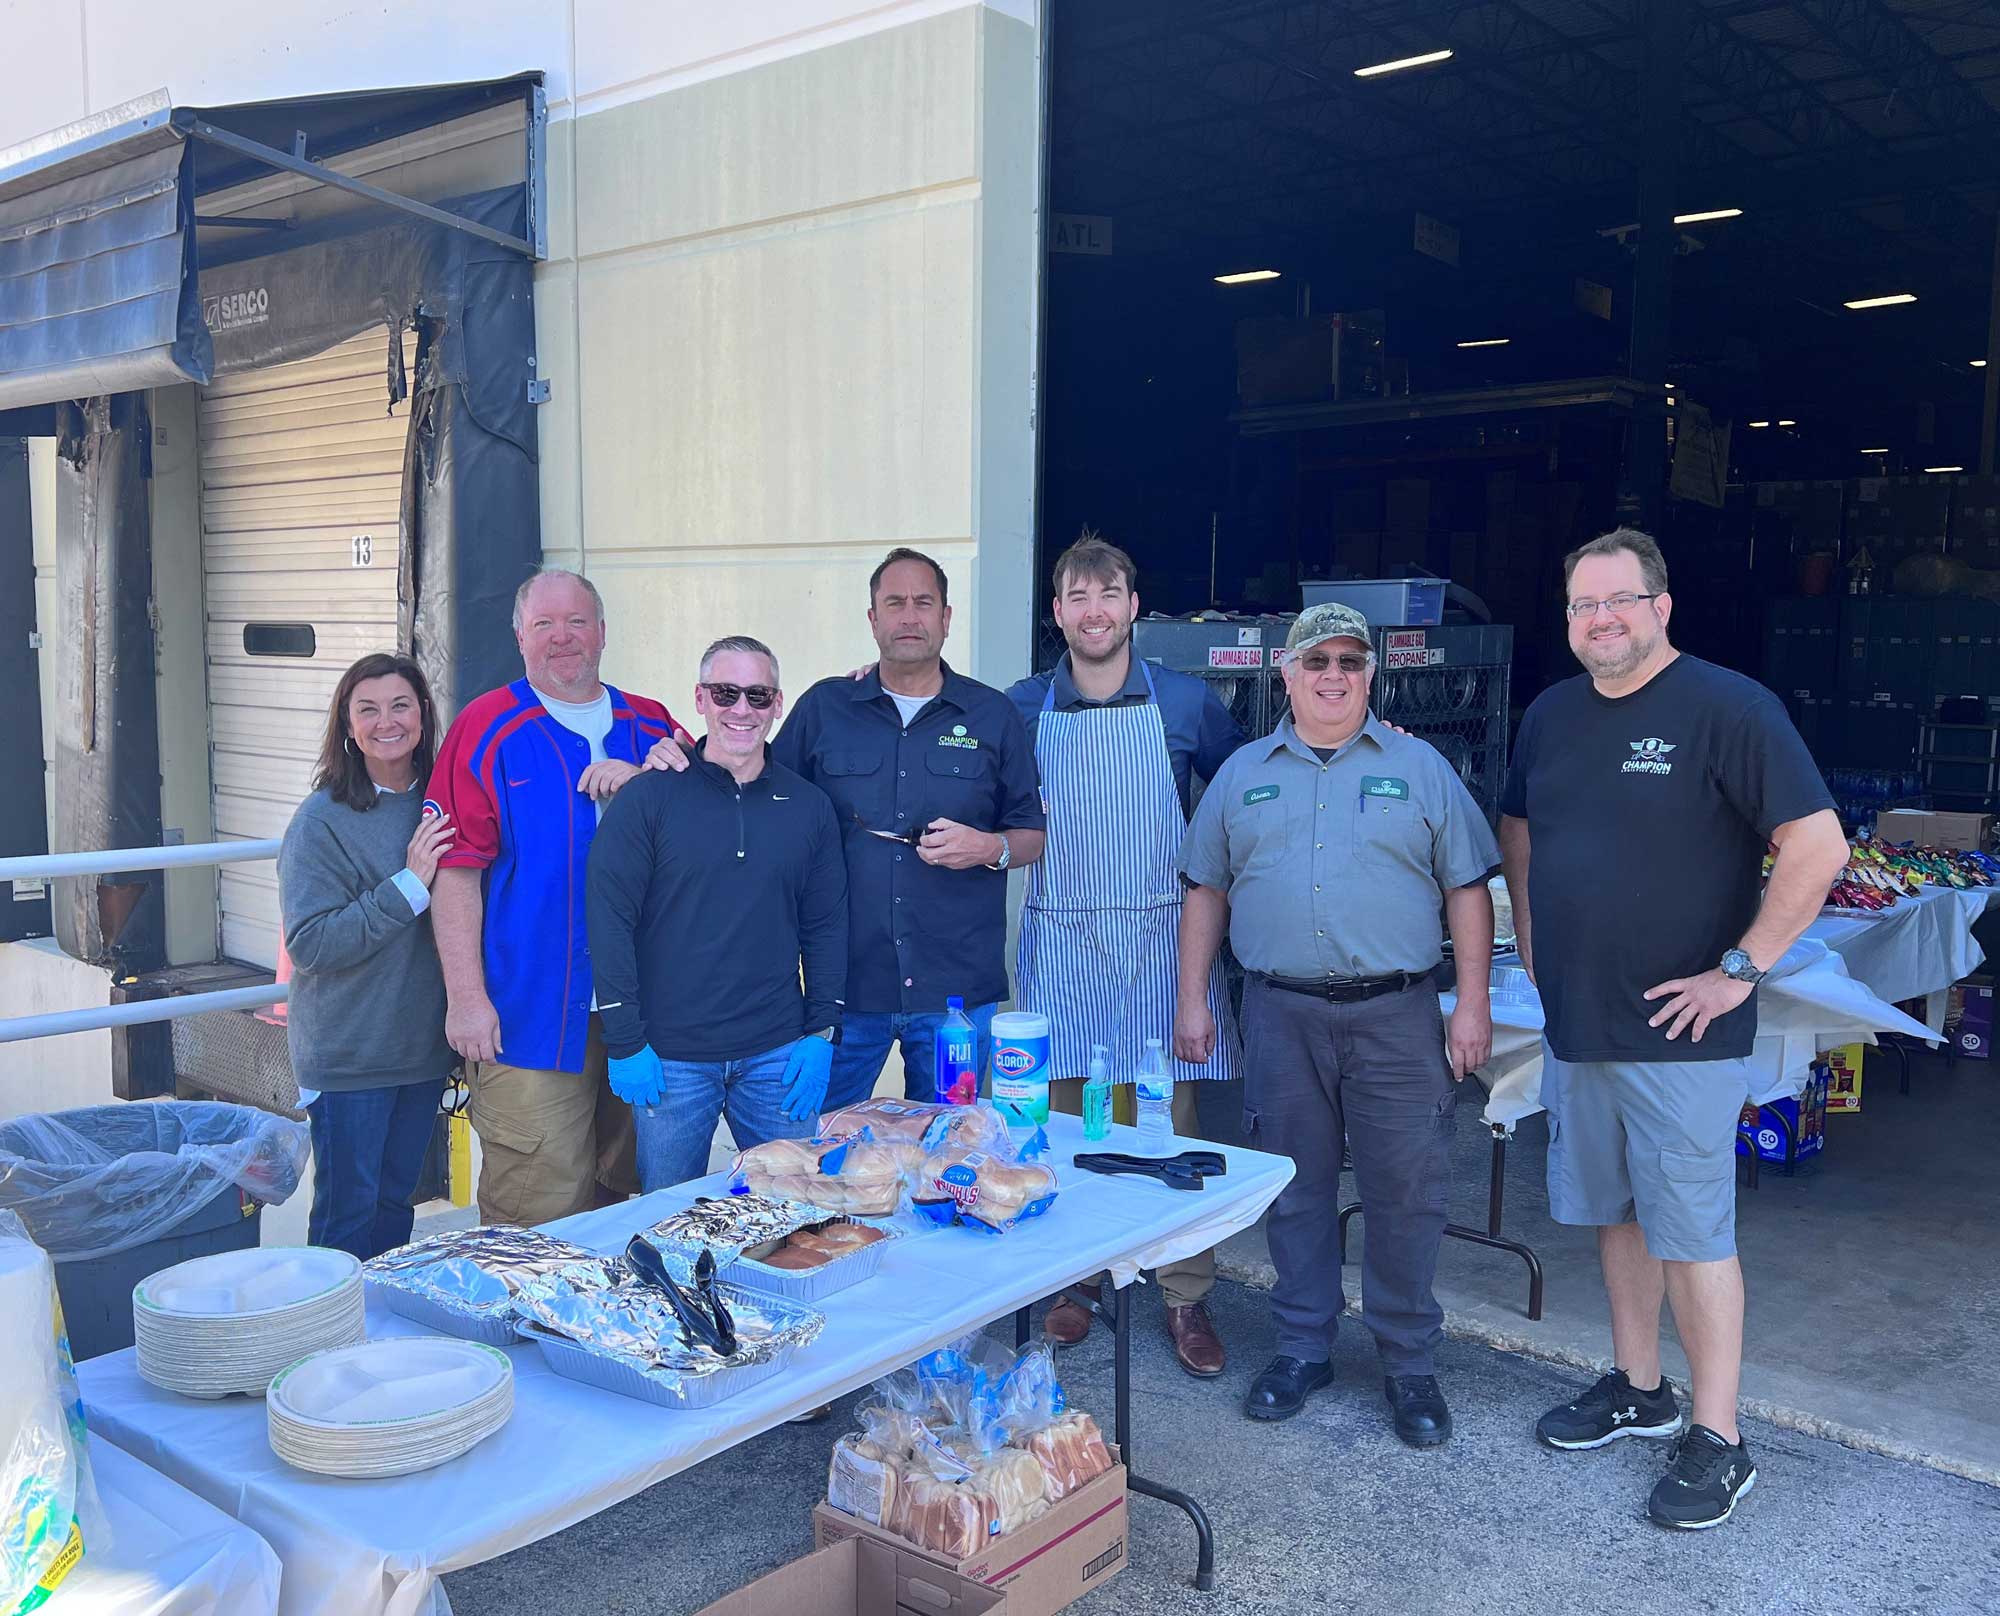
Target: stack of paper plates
{"points": [[228, 1323], [386, 1408]]}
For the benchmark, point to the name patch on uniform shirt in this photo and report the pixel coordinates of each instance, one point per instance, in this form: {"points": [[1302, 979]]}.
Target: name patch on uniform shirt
{"points": [[959, 738], [1259, 794], [1385, 785]]}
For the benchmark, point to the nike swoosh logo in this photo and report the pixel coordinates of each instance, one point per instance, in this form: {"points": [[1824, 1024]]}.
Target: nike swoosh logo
{"points": [[517, 782]]}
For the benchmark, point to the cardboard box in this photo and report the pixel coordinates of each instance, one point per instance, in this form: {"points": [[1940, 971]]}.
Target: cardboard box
{"points": [[1911, 826], [1789, 1132], [1975, 1020], [1044, 1567], [1965, 832], [862, 1577], [1843, 1065]]}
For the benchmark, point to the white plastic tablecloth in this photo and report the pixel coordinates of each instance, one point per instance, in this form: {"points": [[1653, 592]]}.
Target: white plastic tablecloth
{"points": [[1812, 1000], [570, 1451], [169, 1553]]}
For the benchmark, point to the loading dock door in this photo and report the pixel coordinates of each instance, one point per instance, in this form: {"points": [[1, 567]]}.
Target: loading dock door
{"points": [[301, 488]]}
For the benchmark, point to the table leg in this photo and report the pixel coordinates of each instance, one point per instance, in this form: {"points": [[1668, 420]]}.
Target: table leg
{"points": [[1120, 1304], [1020, 1329]]}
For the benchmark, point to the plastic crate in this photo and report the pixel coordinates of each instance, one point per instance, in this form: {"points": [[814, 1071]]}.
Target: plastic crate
{"points": [[1385, 602]]}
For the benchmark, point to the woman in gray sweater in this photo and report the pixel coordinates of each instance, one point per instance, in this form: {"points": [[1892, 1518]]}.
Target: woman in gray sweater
{"points": [[366, 1018]]}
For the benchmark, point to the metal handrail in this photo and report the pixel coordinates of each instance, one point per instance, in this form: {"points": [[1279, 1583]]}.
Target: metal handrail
{"points": [[14, 1030], [56, 866]]}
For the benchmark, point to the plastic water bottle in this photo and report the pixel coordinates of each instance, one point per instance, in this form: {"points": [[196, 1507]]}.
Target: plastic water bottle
{"points": [[1156, 1099], [957, 1059], [1097, 1094]]}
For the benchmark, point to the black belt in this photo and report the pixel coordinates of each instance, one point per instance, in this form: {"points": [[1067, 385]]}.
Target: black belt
{"points": [[1344, 989]]}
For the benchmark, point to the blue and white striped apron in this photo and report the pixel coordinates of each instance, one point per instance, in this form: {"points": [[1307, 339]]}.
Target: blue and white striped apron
{"points": [[1100, 932]]}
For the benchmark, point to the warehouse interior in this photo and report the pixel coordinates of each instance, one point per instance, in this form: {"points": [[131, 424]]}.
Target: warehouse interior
{"points": [[1367, 290]]}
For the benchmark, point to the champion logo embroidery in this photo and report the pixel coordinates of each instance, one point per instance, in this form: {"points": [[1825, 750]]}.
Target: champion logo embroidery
{"points": [[1649, 757]]}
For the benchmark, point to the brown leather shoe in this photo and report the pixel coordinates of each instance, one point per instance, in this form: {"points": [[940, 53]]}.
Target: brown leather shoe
{"points": [[1196, 1344], [1068, 1322]]}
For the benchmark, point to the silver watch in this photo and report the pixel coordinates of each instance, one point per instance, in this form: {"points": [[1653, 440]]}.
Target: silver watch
{"points": [[1737, 967], [1006, 854]]}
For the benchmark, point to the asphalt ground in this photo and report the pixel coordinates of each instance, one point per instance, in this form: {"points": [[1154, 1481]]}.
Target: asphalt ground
{"points": [[1329, 1512]]}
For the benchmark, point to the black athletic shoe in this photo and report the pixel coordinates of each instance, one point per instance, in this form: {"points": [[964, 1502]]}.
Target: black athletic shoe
{"points": [[1609, 1410], [1703, 1483]]}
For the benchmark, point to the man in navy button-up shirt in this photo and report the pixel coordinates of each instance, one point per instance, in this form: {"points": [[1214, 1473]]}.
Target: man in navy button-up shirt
{"points": [[913, 750]]}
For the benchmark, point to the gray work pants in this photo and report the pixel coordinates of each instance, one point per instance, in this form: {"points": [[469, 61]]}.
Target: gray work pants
{"points": [[1377, 1070]]}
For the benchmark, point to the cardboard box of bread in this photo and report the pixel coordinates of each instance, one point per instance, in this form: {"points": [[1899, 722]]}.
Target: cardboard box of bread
{"points": [[973, 1456]]}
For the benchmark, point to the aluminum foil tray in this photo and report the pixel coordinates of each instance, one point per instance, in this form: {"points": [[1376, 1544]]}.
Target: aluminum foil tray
{"points": [[811, 1284], [496, 1330], [609, 1374]]}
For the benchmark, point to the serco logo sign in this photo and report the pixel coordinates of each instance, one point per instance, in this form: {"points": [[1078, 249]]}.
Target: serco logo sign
{"points": [[233, 310]]}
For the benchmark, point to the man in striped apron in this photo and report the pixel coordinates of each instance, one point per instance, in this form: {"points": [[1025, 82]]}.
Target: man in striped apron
{"points": [[1119, 745]]}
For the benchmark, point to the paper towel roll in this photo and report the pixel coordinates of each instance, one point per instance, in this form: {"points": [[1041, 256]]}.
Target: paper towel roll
{"points": [[44, 1468]]}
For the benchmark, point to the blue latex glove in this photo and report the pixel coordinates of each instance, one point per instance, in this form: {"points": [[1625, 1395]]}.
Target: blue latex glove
{"points": [[807, 1070], [638, 1079]]}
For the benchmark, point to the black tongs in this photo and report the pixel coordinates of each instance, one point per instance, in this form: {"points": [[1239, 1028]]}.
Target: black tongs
{"points": [[1183, 1172], [703, 1315]]}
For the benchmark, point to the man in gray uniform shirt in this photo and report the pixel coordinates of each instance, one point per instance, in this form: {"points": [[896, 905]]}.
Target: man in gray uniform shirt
{"points": [[1326, 849]]}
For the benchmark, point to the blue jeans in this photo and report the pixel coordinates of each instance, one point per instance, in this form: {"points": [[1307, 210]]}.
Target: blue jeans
{"points": [[368, 1152], [865, 1038], [675, 1135]]}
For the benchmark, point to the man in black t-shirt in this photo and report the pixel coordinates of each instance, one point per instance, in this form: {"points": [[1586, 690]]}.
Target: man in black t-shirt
{"points": [[1648, 791]]}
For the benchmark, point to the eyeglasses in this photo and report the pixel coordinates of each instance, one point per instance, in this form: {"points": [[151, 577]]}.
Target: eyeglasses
{"points": [[1579, 610], [726, 696], [1347, 661]]}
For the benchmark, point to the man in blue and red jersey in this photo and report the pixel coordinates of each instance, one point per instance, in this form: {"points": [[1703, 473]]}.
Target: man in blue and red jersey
{"points": [[524, 772]]}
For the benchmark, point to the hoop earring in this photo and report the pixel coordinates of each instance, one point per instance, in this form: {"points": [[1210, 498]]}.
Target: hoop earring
{"points": [[348, 745]]}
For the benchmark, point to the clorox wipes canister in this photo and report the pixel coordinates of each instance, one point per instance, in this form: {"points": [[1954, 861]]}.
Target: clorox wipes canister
{"points": [[1021, 1068]]}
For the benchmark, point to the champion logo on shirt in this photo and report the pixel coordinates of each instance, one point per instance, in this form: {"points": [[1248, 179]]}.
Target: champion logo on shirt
{"points": [[1649, 757]]}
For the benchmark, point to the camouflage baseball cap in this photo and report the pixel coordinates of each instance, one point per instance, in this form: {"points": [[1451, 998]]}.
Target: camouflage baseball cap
{"points": [[1330, 620]]}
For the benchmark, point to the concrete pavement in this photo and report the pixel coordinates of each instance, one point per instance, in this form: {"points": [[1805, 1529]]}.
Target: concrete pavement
{"points": [[1330, 1513]]}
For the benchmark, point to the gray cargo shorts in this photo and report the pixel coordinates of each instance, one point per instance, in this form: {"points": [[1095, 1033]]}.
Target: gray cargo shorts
{"points": [[1647, 1141]]}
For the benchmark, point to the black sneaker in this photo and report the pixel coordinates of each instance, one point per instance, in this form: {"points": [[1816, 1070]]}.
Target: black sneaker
{"points": [[1703, 1483], [1609, 1410]]}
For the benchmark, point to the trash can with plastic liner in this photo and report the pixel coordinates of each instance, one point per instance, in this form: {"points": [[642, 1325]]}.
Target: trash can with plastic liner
{"points": [[114, 1193]]}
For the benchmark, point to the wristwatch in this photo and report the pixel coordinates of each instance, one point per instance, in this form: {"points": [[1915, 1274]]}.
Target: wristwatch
{"points": [[1006, 854], [1737, 967]]}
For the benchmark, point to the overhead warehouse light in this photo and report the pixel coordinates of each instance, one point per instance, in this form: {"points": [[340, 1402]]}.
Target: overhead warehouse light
{"points": [[1788, 423], [1873, 451], [1755, 424], [1931, 470], [1487, 342], [1402, 62], [1704, 218], [1243, 277], [1978, 364], [1880, 302]]}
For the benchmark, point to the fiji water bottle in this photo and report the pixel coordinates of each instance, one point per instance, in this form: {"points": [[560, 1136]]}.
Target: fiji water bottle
{"points": [[1156, 1099], [1097, 1094], [957, 1062]]}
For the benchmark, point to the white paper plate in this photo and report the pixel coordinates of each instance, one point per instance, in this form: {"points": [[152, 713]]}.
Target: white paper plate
{"points": [[238, 1285], [401, 1381]]}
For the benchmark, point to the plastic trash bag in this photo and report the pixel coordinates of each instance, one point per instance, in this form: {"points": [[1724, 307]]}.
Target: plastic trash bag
{"points": [[49, 1514], [105, 1178]]}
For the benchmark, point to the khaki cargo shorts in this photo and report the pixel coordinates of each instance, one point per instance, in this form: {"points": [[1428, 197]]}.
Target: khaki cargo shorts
{"points": [[1652, 1142], [550, 1143]]}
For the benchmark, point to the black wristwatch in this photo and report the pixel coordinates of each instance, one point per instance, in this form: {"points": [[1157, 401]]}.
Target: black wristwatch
{"points": [[1737, 967]]}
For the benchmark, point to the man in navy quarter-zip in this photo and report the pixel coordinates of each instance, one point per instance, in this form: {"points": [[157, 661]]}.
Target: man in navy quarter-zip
{"points": [[718, 925]]}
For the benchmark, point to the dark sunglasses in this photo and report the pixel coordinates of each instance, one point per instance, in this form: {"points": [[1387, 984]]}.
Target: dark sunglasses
{"points": [[1349, 662], [726, 696]]}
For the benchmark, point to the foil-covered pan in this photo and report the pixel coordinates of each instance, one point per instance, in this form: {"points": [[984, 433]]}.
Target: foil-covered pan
{"points": [[625, 1338], [463, 1282]]}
